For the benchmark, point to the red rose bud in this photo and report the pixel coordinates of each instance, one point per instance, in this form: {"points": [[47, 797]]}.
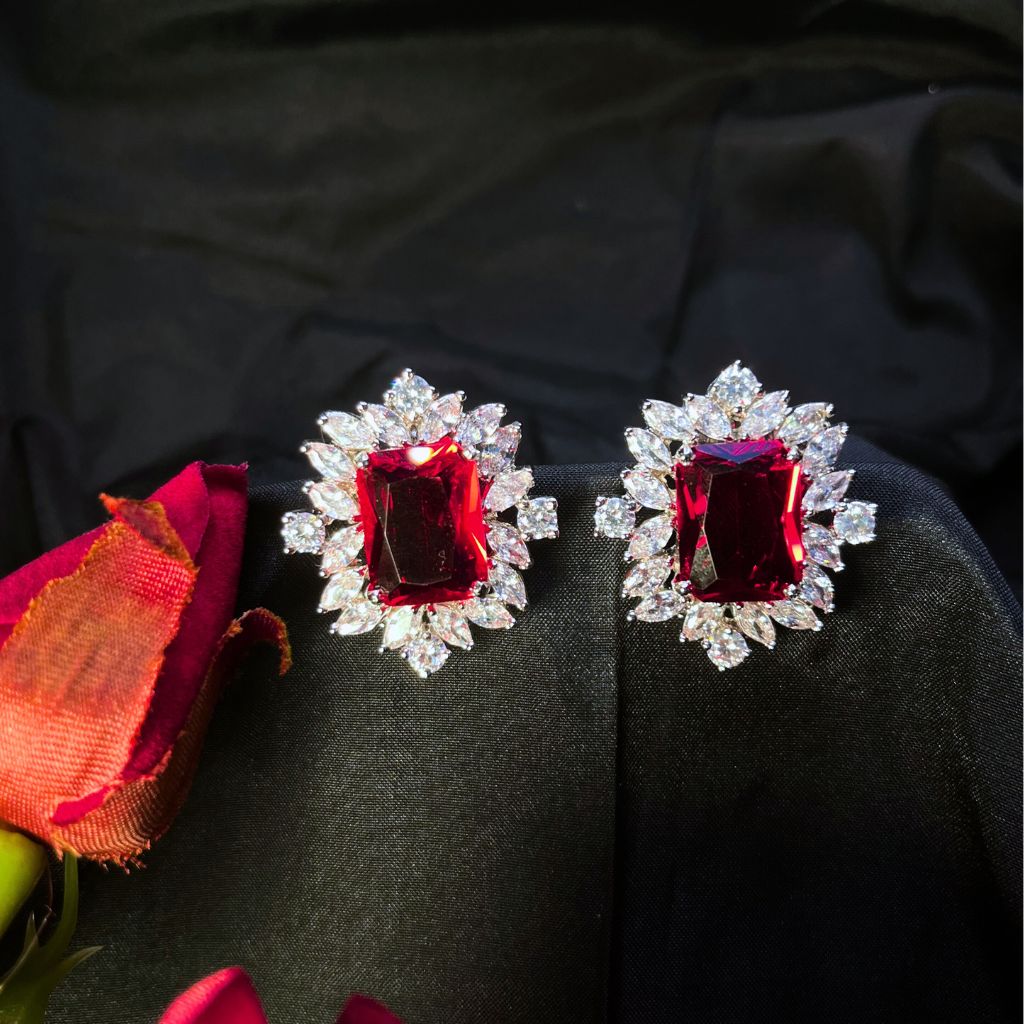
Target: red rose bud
{"points": [[115, 647]]}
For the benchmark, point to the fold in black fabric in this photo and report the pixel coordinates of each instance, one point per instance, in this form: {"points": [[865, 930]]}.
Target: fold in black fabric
{"points": [[582, 820]]}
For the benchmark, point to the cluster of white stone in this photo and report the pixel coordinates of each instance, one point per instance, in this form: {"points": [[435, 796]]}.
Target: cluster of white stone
{"points": [[413, 412]]}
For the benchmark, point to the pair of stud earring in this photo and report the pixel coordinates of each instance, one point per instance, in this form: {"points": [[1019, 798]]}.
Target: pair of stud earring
{"points": [[743, 513]]}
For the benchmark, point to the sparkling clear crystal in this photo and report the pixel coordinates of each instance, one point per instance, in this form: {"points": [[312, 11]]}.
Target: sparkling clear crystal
{"points": [[614, 517], [303, 532], [508, 585], [488, 612], [708, 417], [390, 429], [440, 418], [804, 422], [499, 454], [648, 488], [538, 518], [826, 492], [659, 606], [816, 587], [341, 588], [700, 619], [329, 461], [753, 620], [726, 647], [342, 549], [359, 617], [409, 395], [855, 524], [334, 499], [821, 546], [426, 654], [735, 387], [648, 449], [400, 626], [480, 424], [451, 626], [508, 544], [668, 420], [794, 614], [646, 577], [765, 415], [347, 431], [823, 449], [651, 536], [507, 489]]}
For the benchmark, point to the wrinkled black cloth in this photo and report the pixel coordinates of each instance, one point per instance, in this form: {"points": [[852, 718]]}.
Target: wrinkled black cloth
{"points": [[224, 217], [220, 217], [582, 820]]}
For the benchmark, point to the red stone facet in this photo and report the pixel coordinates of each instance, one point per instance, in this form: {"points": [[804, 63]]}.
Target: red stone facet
{"points": [[738, 521], [421, 508]]}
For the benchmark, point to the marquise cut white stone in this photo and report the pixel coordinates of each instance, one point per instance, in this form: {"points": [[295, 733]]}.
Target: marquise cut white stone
{"points": [[755, 622], [822, 546], [827, 491], [817, 588], [648, 449], [667, 420], [400, 626], [508, 545], [499, 454], [659, 607], [804, 422], [390, 429], [823, 449], [651, 536], [646, 577], [708, 417], [347, 431], [341, 588], [765, 415], [507, 489], [478, 425], [440, 418], [359, 617], [488, 612], [700, 618], [334, 499], [508, 585], [794, 614], [329, 461], [451, 626], [647, 488], [342, 549]]}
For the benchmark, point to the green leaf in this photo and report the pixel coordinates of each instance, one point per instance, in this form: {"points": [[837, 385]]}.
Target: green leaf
{"points": [[22, 863], [26, 989]]}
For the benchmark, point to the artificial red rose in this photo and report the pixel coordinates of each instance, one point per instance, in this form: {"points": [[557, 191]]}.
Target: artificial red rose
{"points": [[228, 997], [113, 650]]}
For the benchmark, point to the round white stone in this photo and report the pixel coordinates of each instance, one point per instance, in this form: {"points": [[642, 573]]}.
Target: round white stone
{"points": [[615, 517], [303, 532], [855, 524], [426, 654]]}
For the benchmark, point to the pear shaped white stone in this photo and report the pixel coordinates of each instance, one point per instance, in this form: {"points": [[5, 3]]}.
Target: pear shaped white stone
{"points": [[451, 626], [489, 613], [508, 545], [753, 620], [359, 617], [507, 489]]}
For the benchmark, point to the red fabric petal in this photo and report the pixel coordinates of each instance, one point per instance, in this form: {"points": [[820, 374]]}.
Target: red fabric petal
{"points": [[227, 997], [364, 1010]]}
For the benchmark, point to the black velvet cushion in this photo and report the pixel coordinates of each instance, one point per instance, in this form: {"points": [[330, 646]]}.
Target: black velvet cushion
{"points": [[582, 820]]}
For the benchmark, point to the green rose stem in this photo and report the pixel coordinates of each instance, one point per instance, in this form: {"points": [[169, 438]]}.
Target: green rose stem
{"points": [[26, 988], [22, 863]]}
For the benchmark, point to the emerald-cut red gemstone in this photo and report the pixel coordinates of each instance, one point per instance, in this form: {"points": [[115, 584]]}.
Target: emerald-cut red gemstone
{"points": [[738, 521], [421, 509]]}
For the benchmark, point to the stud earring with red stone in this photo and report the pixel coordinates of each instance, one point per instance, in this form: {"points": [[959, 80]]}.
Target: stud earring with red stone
{"points": [[749, 512], [411, 519]]}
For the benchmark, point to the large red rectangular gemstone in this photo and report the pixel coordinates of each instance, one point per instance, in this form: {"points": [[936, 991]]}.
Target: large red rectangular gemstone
{"points": [[738, 521], [421, 510]]}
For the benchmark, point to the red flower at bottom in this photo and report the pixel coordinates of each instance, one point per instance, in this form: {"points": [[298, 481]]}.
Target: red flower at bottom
{"points": [[228, 997]]}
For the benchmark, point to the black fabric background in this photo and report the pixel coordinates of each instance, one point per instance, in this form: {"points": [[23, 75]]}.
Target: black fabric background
{"points": [[220, 218]]}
